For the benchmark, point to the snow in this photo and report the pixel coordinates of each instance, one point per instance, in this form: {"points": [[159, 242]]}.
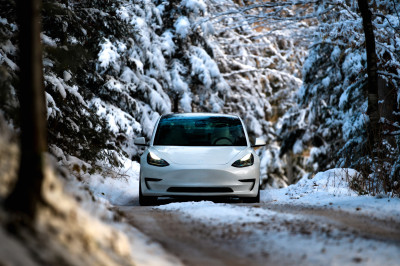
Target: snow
{"points": [[74, 90], [305, 238], [123, 13], [8, 47], [195, 6], [148, 121], [182, 26], [9, 62], [67, 75], [326, 81], [186, 102], [207, 28], [178, 84], [352, 63], [3, 21], [255, 125], [52, 109], [139, 69], [331, 189], [117, 120], [57, 85], [108, 55], [203, 66], [167, 43], [119, 189], [128, 76], [332, 182], [157, 101], [335, 54], [48, 41], [355, 123], [206, 60], [221, 213], [298, 146], [115, 186]]}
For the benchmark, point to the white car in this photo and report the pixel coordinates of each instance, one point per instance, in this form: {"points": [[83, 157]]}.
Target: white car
{"points": [[199, 154]]}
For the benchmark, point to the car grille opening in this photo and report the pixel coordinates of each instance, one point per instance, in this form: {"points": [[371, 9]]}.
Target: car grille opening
{"points": [[200, 189], [148, 179], [252, 181]]}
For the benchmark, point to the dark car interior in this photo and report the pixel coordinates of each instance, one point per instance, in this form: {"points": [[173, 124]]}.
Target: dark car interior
{"points": [[200, 131]]}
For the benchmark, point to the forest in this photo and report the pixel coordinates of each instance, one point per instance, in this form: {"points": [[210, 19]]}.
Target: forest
{"points": [[318, 80]]}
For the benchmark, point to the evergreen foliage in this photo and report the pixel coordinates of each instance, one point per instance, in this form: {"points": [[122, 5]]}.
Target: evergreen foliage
{"points": [[111, 68], [333, 99]]}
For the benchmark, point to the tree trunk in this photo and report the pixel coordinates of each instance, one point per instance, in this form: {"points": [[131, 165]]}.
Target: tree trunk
{"points": [[27, 194], [372, 59]]}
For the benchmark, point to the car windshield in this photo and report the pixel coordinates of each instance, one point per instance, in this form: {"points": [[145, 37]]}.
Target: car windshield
{"points": [[200, 131]]}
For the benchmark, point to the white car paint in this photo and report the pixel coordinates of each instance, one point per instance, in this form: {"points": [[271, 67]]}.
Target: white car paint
{"points": [[199, 170]]}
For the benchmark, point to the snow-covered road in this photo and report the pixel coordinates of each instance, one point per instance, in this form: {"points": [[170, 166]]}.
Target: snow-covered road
{"points": [[208, 233], [318, 221]]}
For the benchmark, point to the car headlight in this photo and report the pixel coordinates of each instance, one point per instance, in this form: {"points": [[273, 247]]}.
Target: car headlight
{"points": [[155, 160], [247, 160]]}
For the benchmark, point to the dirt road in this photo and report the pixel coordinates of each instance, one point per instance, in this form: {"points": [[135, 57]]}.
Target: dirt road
{"points": [[270, 234]]}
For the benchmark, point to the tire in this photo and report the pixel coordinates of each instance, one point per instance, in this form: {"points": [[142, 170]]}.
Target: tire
{"points": [[255, 199], [146, 200]]}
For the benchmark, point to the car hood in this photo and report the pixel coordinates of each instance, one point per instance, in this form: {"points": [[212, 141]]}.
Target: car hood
{"points": [[199, 155]]}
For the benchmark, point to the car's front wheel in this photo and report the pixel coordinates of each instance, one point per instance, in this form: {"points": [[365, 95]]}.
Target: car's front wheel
{"points": [[146, 200]]}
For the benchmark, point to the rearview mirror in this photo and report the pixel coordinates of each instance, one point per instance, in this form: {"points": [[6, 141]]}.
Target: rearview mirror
{"points": [[259, 143], [140, 141]]}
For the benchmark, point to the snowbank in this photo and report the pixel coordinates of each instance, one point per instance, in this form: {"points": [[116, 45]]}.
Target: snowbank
{"points": [[121, 190], [97, 195], [331, 189]]}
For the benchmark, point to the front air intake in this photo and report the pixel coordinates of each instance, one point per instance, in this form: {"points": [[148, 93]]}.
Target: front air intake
{"points": [[200, 189]]}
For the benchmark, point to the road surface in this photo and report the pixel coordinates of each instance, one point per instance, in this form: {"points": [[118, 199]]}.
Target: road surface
{"points": [[268, 234]]}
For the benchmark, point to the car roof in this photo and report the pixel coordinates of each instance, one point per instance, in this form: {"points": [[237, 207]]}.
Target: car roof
{"points": [[183, 115]]}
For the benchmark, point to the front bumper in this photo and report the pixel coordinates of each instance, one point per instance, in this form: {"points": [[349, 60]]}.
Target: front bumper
{"points": [[198, 180]]}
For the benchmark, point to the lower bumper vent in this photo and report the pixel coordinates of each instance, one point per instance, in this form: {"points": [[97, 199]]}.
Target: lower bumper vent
{"points": [[200, 189]]}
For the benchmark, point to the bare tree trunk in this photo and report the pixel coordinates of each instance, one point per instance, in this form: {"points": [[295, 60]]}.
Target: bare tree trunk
{"points": [[289, 167], [372, 59], [27, 194]]}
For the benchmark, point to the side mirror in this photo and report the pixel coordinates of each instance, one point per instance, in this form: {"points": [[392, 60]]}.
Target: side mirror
{"points": [[259, 143], [140, 141]]}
